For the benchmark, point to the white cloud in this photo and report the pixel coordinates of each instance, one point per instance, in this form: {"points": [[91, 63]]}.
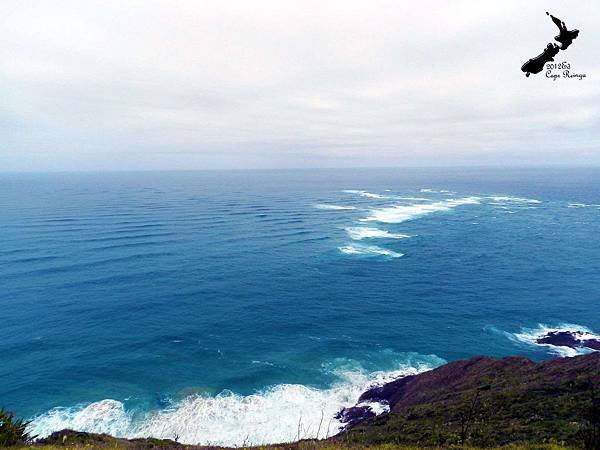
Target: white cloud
{"points": [[187, 84]]}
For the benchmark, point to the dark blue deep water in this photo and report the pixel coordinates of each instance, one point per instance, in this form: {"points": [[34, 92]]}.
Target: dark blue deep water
{"points": [[231, 306]]}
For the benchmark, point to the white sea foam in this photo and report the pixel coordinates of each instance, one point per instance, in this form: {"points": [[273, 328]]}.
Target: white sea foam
{"points": [[106, 416], [434, 191], [263, 363], [402, 213], [358, 233], [581, 205], [364, 193], [531, 335], [370, 195], [369, 250], [504, 199], [376, 407], [334, 207], [282, 413]]}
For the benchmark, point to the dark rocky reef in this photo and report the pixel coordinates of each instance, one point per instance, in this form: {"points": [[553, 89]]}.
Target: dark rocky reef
{"points": [[571, 339], [383, 395]]}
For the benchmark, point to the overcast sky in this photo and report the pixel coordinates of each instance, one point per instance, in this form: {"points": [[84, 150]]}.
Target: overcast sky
{"points": [[174, 84]]}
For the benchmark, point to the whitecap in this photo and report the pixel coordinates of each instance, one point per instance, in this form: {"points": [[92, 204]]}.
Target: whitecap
{"points": [[358, 233], [369, 250], [364, 193], [334, 207], [581, 205], [229, 419], [434, 191], [506, 199], [370, 195], [402, 213], [263, 363]]}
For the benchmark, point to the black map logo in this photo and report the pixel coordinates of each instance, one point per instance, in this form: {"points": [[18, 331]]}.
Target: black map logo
{"points": [[565, 38]]}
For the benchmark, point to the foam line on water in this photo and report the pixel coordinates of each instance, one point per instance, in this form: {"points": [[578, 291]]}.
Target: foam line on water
{"points": [[359, 233], [581, 205], [364, 193], [434, 191], [402, 213], [334, 207], [369, 250], [230, 419], [502, 199]]}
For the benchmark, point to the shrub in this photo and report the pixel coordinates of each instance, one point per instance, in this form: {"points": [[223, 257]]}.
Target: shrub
{"points": [[13, 430]]}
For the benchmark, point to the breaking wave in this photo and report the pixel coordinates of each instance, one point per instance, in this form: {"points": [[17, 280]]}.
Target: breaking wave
{"points": [[229, 419], [402, 213], [364, 193], [358, 233], [581, 205], [334, 207], [369, 250], [513, 200], [434, 191]]}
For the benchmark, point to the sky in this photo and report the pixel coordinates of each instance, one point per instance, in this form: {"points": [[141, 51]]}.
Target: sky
{"points": [[262, 84]]}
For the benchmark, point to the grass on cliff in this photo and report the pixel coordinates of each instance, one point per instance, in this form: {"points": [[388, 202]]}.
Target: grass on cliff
{"points": [[13, 431], [308, 445], [560, 417]]}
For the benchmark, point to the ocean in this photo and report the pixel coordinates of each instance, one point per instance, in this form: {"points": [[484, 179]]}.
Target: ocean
{"points": [[248, 307]]}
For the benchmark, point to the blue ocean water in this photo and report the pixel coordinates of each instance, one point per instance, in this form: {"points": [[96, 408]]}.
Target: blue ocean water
{"points": [[205, 305]]}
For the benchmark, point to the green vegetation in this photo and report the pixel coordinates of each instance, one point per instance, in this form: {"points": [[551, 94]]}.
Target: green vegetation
{"points": [[12, 430], [563, 412]]}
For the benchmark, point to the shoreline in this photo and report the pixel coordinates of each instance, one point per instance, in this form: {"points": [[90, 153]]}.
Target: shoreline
{"points": [[548, 401]]}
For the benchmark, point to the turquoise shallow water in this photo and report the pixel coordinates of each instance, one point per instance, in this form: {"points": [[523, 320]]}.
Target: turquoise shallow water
{"points": [[206, 304]]}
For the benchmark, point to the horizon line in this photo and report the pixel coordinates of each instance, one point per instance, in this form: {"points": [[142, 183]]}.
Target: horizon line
{"points": [[275, 169]]}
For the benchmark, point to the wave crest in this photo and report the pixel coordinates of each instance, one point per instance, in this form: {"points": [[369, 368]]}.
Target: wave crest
{"points": [[364, 193], [513, 200], [359, 233], [402, 213], [369, 250], [334, 207]]}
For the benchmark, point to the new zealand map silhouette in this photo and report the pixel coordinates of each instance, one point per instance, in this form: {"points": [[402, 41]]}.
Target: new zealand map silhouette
{"points": [[565, 38]]}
